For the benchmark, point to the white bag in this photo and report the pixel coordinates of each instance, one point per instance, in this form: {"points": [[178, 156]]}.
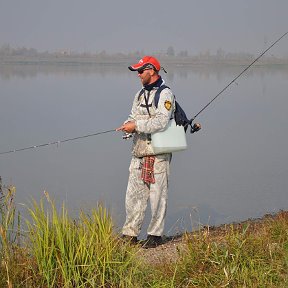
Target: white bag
{"points": [[172, 139]]}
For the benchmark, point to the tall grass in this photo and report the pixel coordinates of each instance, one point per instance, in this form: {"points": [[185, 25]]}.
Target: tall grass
{"points": [[61, 251], [9, 231], [79, 253], [248, 255]]}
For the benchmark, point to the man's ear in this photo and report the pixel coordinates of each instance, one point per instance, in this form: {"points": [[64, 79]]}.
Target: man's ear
{"points": [[153, 72]]}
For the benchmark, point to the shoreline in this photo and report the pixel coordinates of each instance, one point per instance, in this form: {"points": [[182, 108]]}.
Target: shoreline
{"points": [[174, 246], [113, 60]]}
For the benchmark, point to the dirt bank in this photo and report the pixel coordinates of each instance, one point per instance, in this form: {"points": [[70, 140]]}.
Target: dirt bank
{"points": [[173, 247]]}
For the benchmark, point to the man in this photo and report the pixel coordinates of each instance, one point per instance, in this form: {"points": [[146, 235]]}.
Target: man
{"points": [[149, 173]]}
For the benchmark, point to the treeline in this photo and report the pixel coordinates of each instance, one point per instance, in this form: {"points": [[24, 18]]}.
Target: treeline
{"points": [[170, 55]]}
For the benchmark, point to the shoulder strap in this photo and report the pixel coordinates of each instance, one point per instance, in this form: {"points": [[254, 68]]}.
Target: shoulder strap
{"points": [[157, 94], [146, 105], [156, 97], [179, 114], [140, 93]]}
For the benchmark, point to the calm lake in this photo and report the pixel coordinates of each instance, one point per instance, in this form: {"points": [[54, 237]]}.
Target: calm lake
{"points": [[235, 168]]}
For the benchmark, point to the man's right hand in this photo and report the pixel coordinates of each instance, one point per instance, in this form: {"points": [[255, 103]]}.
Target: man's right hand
{"points": [[128, 127]]}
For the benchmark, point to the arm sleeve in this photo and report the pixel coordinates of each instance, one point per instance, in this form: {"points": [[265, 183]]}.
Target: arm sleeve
{"points": [[163, 114]]}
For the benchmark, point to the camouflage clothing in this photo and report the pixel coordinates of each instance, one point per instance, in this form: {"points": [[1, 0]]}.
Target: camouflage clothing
{"points": [[138, 193], [147, 124]]}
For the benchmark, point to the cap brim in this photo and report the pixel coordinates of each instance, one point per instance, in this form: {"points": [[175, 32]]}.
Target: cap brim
{"points": [[135, 67]]}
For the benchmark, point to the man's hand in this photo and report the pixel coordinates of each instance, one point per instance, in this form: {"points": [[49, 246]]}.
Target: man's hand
{"points": [[128, 127]]}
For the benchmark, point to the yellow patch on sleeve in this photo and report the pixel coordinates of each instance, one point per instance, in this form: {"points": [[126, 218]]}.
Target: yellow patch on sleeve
{"points": [[168, 105]]}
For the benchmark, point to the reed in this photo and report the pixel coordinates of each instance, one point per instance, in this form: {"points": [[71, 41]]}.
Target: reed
{"points": [[79, 253], [9, 232]]}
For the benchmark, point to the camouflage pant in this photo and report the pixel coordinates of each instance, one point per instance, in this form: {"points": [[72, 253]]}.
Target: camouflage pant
{"points": [[138, 194]]}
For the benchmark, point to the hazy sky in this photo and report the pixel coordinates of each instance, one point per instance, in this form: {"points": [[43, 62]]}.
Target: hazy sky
{"points": [[130, 25]]}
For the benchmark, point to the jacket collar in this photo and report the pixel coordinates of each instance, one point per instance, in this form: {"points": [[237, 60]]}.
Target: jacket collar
{"points": [[155, 84]]}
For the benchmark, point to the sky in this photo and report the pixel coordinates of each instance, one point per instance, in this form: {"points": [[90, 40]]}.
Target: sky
{"points": [[149, 26]]}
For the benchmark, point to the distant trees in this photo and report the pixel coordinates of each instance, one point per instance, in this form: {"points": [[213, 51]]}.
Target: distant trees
{"points": [[170, 51], [183, 53], [7, 50], [220, 56]]}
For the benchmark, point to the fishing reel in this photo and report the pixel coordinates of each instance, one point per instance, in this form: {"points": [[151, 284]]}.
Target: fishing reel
{"points": [[127, 136], [196, 127]]}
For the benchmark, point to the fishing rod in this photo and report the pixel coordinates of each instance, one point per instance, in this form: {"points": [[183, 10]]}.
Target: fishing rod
{"points": [[274, 43], [57, 142]]}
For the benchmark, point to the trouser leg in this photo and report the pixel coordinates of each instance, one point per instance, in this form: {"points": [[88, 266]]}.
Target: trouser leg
{"points": [[158, 202], [137, 195]]}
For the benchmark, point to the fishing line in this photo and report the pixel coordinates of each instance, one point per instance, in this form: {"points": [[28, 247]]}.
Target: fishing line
{"points": [[274, 43], [57, 142]]}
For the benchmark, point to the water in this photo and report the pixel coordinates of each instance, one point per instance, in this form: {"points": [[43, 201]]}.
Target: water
{"points": [[235, 167]]}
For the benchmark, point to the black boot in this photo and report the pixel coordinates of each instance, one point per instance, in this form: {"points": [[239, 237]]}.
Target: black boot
{"points": [[152, 241], [129, 239]]}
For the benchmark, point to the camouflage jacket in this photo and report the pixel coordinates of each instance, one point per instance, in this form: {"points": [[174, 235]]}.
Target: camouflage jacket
{"points": [[156, 121]]}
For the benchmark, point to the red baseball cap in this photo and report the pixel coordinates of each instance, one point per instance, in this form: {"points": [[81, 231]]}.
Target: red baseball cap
{"points": [[144, 62]]}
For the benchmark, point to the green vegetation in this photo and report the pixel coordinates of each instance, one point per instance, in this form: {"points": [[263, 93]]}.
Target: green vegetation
{"points": [[243, 256], [58, 251], [72, 253]]}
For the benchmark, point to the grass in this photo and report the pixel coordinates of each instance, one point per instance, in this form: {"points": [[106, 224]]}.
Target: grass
{"points": [[59, 251], [82, 253], [9, 231], [242, 257]]}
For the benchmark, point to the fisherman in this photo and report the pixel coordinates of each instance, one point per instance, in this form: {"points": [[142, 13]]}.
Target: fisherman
{"points": [[148, 179]]}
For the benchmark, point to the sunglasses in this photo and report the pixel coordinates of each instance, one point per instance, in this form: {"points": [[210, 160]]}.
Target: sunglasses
{"points": [[146, 67], [140, 71]]}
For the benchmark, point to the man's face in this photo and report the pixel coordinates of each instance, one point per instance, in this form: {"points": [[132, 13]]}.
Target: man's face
{"points": [[146, 76]]}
